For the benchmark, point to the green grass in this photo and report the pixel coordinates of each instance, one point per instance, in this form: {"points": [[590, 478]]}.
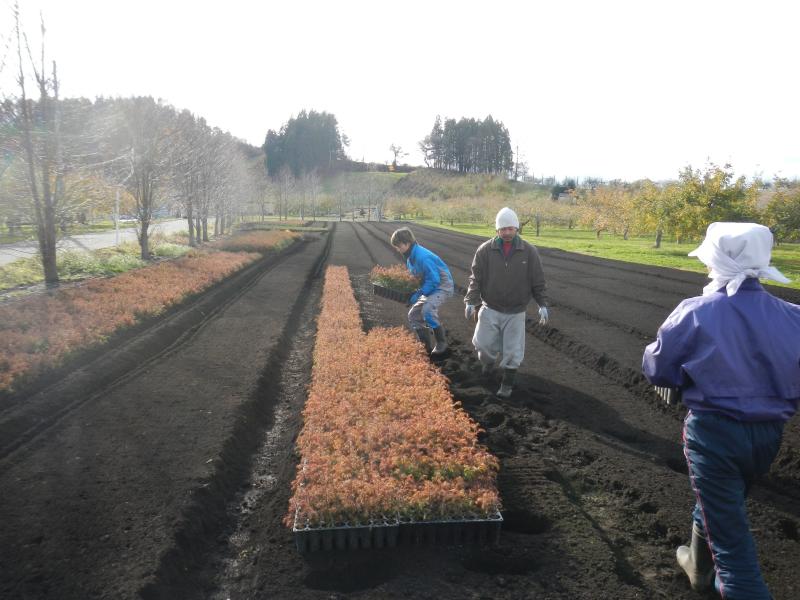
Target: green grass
{"points": [[28, 232], [273, 224], [76, 265], [785, 257]]}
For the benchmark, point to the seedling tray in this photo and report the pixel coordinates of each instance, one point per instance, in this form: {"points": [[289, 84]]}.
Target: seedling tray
{"points": [[387, 532], [390, 293]]}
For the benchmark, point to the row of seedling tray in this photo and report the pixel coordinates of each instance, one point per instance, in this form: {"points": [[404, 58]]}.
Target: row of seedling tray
{"points": [[389, 533], [383, 443]]}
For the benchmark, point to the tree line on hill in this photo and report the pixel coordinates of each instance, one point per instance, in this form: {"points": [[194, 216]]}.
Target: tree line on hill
{"points": [[468, 146], [311, 141]]}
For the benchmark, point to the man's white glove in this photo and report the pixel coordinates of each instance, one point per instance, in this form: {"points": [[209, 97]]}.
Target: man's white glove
{"points": [[543, 315], [469, 312]]}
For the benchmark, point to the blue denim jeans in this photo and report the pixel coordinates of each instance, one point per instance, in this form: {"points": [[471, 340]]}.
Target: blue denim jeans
{"points": [[724, 457], [426, 310]]}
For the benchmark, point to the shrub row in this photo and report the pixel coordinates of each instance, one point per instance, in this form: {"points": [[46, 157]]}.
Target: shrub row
{"points": [[382, 436], [256, 241], [39, 332]]}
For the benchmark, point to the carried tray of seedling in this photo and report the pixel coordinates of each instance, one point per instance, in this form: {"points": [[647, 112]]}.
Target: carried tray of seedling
{"points": [[394, 283], [671, 396]]}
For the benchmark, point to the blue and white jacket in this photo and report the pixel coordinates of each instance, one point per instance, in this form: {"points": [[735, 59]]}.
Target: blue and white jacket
{"points": [[736, 355], [431, 270]]}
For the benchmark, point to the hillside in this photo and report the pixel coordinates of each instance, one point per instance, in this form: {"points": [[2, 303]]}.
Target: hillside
{"points": [[440, 185]]}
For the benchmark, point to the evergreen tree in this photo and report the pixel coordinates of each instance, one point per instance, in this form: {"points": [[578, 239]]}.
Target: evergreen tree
{"points": [[307, 142], [469, 146]]}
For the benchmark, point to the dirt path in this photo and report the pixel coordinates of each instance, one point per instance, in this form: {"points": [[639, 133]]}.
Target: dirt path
{"points": [[174, 483]]}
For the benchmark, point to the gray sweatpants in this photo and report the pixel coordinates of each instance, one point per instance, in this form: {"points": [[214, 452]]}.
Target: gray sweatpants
{"points": [[500, 334]]}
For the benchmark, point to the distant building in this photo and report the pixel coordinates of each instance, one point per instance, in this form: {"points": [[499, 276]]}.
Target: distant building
{"points": [[565, 198]]}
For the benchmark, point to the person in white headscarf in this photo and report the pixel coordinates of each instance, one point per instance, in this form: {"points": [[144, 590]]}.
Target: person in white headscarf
{"points": [[506, 275], [734, 353], [735, 251]]}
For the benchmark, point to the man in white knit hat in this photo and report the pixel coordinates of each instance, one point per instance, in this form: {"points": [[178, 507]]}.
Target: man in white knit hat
{"points": [[506, 275], [734, 352]]}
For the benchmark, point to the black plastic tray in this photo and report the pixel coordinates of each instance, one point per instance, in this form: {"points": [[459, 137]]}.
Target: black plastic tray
{"points": [[396, 295], [392, 532]]}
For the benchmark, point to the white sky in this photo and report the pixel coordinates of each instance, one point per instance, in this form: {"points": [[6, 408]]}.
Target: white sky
{"points": [[625, 89]]}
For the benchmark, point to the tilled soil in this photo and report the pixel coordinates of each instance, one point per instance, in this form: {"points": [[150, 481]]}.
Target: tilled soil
{"points": [[173, 482]]}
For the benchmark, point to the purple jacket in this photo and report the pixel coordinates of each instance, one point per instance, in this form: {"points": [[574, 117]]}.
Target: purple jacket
{"points": [[737, 355]]}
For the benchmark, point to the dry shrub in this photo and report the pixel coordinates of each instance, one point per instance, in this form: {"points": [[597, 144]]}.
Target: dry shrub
{"points": [[40, 332], [256, 241], [395, 277], [382, 435]]}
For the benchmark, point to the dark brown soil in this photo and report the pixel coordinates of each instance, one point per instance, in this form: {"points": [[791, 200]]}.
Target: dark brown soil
{"points": [[172, 481]]}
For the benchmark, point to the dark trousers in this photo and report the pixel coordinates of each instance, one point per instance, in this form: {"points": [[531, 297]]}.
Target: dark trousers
{"points": [[724, 457]]}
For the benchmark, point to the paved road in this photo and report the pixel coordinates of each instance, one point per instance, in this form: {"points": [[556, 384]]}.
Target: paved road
{"points": [[86, 241]]}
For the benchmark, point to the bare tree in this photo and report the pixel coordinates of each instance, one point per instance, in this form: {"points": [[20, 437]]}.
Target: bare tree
{"points": [[310, 189], [39, 124], [397, 151], [286, 186], [147, 128], [184, 169], [313, 184]]}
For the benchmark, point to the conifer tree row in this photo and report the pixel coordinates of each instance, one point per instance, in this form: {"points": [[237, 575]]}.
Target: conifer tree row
{"points": [[469, 146]]}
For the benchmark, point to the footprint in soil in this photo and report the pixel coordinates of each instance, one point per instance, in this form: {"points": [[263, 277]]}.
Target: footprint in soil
{"points": [[471, 398], [520, 425], [504, 560], [493, 417], [534, 397], [524, 521], [352, 573], [501, 443], [789, 528], [648, 508]]}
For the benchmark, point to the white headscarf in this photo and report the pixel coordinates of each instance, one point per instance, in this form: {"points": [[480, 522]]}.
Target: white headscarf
{"points": [[734, 252]]}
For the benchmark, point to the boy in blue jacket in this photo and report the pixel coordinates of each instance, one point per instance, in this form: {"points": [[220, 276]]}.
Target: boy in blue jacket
{"points": [[436, 286], [735, 354]]}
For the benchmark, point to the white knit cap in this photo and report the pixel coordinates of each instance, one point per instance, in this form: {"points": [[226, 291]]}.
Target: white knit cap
{"points": [[734, 252], [506, 218]]}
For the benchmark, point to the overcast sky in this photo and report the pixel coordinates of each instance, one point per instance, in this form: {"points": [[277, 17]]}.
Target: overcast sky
{"points": [[586, 88]]}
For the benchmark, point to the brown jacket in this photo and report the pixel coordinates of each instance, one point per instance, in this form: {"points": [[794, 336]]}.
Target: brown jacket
{"points": [[506, 285]]}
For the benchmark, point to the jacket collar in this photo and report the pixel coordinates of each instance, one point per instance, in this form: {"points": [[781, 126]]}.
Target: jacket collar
{"points": [[497, 242], [751, 284]]}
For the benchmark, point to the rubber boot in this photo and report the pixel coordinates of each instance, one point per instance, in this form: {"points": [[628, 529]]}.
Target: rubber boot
{"points": [[424, 337], [696, 561], [507, 385], [441, 342]]}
